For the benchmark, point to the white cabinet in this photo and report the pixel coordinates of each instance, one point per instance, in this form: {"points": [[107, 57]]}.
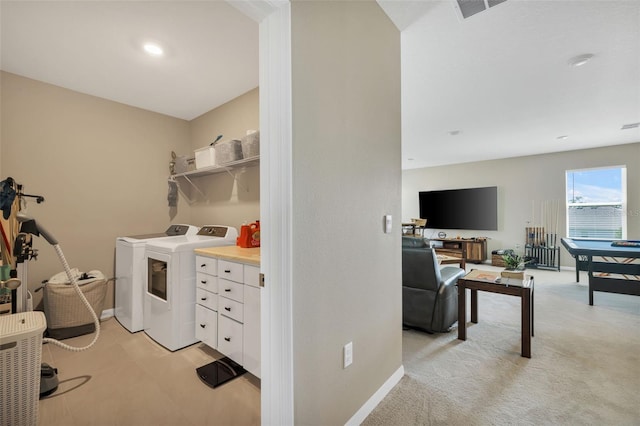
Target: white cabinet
{"points": [[230, 338], [235, 287], [207, 301]]}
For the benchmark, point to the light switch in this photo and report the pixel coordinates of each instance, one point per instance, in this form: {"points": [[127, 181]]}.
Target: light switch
{"points": [[387, 223], [347, 353]]}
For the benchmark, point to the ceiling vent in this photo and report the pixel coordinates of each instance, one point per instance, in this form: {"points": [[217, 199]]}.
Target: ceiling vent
{"points": [[467, 8], [630, 126]]}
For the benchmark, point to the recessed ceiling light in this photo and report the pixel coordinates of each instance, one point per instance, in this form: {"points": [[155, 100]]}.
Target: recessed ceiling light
{"points": [[563, 137], [578, 61], [153, 49]]}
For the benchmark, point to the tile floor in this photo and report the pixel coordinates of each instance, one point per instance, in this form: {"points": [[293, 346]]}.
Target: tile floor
{"points": [[128, 379]]}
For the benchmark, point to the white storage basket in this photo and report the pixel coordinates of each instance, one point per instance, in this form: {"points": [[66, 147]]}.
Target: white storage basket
{"points": [[250, 145], [205, 157], [20, 359]]}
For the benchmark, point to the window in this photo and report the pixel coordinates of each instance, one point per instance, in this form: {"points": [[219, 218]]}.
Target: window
{"points": [[596, 203]]}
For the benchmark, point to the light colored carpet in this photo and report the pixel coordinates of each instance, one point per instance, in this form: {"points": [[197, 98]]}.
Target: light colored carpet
{"points": [[584, 370]]}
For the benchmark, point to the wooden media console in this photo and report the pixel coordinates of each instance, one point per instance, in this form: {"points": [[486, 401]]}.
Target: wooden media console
{"points": [[472, 250]]}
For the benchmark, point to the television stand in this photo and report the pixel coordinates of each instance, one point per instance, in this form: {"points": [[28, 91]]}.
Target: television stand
{"points": [[473, 250]]}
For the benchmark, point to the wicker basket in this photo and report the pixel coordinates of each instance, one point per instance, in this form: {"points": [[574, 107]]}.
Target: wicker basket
{"points": [[66, 314]]}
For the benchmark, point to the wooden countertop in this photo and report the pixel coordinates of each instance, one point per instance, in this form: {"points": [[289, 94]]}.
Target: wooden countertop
{"points": [[234, 253]]}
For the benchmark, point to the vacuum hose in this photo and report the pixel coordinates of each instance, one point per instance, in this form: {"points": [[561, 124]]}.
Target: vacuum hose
{"points": [[37, 229]]}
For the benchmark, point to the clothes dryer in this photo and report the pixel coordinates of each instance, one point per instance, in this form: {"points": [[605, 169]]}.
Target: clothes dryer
{"points": [[170, 285], [131, 270]]}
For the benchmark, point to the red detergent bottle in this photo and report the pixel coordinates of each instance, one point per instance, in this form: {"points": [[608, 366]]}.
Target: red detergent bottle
{"points": [[249, 235], [255, 234]]}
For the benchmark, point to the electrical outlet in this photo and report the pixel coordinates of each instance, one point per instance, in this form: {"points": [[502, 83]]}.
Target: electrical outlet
{"points": [[347, 355]]}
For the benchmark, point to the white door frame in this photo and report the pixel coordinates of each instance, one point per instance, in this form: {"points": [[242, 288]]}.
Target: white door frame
{"points": [[274, 18]]}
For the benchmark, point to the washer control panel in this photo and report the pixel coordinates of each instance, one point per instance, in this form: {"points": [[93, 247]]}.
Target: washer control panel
{"points": [[214, 231]]}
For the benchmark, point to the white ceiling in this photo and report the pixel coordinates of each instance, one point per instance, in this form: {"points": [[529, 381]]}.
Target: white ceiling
{"points": [[500, 77], [94, 47]]}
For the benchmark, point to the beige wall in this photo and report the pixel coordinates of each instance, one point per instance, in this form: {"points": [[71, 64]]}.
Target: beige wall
{"points": [[101, 166], [520, 182], [228, 199], [346, 177]]}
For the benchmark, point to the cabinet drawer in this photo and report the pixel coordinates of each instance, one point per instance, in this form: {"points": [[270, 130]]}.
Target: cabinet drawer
{"points": [[231, 290], [207, 265], [252, 275], [207, 282], [207, 326], [231, 309], [207, 299], [230, 338], [231, 271]]}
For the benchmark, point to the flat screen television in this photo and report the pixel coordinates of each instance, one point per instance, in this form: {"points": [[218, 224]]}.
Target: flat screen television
{"points": [[472, 208]]}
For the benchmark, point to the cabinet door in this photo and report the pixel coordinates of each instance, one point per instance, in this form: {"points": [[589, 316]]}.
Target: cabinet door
{"points": [[474, 252], [207, 326], [230, 338], [252, 330]]}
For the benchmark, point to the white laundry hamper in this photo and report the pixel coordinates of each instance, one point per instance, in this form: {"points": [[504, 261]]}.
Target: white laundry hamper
{"points": [[20, 358], [66, 315]]}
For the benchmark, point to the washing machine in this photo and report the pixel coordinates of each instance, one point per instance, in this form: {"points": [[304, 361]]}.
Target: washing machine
{"points": [[170, 284], [131, 270]]}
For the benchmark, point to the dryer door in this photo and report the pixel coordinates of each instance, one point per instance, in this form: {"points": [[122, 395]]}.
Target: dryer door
{"points": [[157, 276], [158, 318]]}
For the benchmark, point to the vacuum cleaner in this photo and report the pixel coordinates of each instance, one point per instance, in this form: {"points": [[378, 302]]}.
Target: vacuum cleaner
{"points": [[14, 406], [48, 376]]}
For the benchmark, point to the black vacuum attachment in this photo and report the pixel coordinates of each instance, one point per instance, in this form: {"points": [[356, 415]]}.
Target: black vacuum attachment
{"points": [[48, 380]]}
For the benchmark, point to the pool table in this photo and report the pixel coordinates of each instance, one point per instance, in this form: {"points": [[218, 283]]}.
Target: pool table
{"points": [[612, 269]]}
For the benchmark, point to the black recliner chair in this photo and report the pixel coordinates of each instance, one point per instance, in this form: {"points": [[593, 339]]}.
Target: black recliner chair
{"points": [[429, 294]]}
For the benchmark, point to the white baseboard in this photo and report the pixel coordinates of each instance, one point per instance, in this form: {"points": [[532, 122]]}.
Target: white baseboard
{"points": [[376, 398], [107, 313]]}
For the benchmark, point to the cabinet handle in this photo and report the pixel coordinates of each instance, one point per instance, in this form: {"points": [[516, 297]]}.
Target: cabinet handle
{"points": [[228, 339], [203, 298], [203, 325], [204, 265], [227, 271], [228, 309], [227, 289], [203, 282]]}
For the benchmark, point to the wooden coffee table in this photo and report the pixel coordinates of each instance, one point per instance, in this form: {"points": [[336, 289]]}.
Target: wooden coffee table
{"points": [[443, 259], [490, 281]]}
